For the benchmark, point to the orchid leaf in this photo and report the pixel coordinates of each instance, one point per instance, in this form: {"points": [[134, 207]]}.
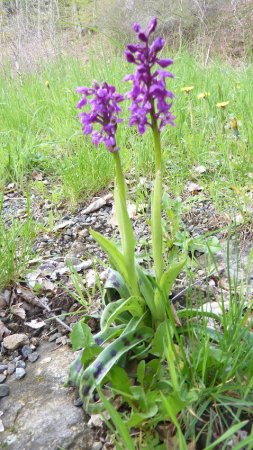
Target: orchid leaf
{"points": [[169, 277], [95, 373], [115, 282], [116, 257], [135, 305], [108, 311], [147, 289], [108, 334]]}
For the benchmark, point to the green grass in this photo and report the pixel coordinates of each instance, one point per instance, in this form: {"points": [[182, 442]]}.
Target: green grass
{"points": [[16, 248], [40, 130]]}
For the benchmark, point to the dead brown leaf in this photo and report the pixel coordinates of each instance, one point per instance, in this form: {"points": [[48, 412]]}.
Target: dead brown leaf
{"points": [[29, 296], [37, 176], [99, 203], [193, 188], [17, 310]]}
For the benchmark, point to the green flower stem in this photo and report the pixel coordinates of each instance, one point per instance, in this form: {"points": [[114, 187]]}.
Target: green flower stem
{"points": [[125, 226], [156, 212]]}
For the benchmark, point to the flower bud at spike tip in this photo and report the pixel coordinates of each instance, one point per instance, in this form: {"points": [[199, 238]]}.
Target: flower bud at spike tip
{"points": [[104, 112], [149, 95]]}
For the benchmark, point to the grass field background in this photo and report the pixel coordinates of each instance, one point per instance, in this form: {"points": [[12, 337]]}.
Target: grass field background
{"points": [[40, 129]]}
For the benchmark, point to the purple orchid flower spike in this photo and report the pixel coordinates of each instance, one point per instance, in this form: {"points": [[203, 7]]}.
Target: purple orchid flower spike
{"points": [[104, 111], [149, 94]]}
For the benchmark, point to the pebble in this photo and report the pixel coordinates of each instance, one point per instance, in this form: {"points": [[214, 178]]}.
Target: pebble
{"points": [[97, 446], [20, 364], [15, 341], [54, 336], [11, 368], [32, 357], [3, 367], [26, 350], [78, 402], [2, 377], [4, 390], [35, 341], [20, 373]]}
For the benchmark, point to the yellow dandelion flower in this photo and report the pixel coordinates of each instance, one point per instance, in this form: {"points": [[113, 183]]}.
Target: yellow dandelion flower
{"points": [[187, 89], [47, 84], [203, 95], [222, 105]]}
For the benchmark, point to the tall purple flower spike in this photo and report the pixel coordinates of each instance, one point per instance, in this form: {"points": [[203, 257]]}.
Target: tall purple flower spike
{"points": [[104, 111], [149, 94]]}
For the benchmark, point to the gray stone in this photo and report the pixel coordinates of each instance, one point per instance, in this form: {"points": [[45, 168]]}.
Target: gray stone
{"points": [[3, 367], [33, 357], [11, 368], [20, 364], [2, 377], [53, 337], [97, 446], [4, 390], [43, 416], [26, 350], [15, 341], [20, 373]]}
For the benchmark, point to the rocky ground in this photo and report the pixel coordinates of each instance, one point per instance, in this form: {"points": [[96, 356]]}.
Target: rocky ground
{"points": [[37, 313]]}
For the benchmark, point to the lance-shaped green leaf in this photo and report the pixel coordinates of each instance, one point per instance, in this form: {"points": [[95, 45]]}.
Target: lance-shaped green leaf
{"points": [[115, 282], [108, 311], [134, 305], [116, 257], [108, 334], [163, 290], [147, 289], [170, 276], [77, 368], [95, 373]]}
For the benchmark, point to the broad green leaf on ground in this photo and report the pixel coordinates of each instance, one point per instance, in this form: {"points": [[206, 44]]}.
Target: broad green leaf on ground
{"points": [[81, 336]]}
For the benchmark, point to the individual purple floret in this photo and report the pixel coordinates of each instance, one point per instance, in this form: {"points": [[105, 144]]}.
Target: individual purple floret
{"points": [[149, 94], [104, 111]]}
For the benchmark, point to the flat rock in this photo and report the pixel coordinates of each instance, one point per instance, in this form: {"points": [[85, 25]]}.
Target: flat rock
{"points": [[4, 390], [2, 377], [39, 414], [3, 367], [15, 341], [20, 373]]}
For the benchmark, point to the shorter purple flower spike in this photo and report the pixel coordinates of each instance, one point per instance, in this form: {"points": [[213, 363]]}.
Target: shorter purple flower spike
{"points": [[104, 111], [149, 95]]}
